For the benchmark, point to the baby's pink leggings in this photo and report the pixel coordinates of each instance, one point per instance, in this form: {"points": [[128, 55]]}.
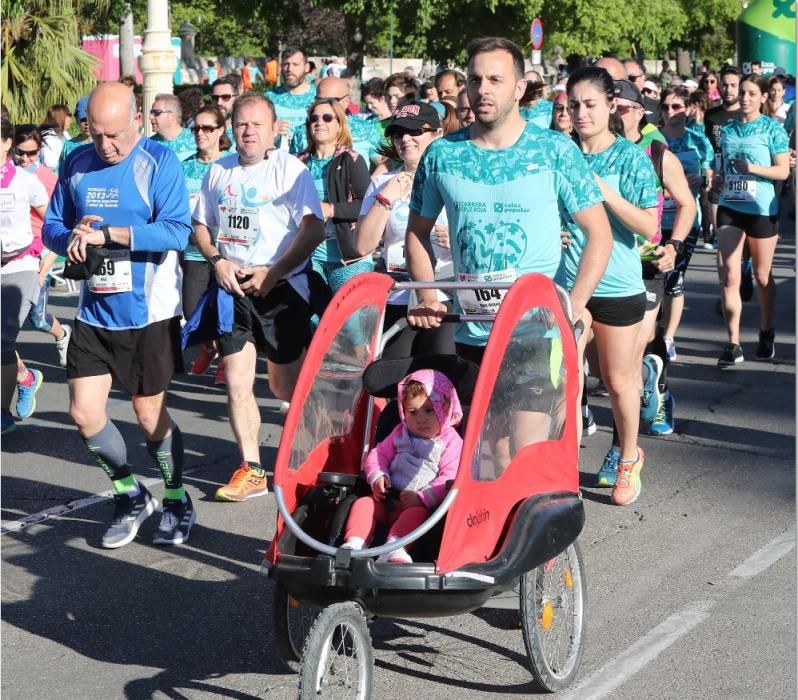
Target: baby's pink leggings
{"points": [[368, 511]]}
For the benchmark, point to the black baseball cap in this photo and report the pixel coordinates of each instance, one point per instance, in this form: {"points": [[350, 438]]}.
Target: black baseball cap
{"points": [[625, 90], [412, 116]]}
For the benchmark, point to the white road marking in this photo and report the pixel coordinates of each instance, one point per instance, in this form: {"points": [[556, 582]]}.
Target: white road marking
{"points": [[602, 682], [767, 556]]}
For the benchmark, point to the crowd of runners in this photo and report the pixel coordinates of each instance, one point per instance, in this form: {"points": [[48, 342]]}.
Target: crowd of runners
{"points": [[254, 209]]}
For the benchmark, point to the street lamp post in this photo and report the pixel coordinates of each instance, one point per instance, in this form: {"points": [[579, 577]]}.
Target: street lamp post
{"points": [[157, 57]]}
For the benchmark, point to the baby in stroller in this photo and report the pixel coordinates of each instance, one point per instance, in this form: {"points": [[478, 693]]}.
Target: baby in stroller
{"points": [[408, 471]]}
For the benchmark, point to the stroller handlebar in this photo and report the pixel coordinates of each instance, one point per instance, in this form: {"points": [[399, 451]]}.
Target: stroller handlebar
{"points": [[411, 537]]}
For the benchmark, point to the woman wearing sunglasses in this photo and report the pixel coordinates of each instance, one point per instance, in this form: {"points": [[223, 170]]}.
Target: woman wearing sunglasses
{"points": [[709, 84], [560, 117], [384, 216], [212, 143], [695, 153], [28, 143], [755, 153], [341, 176]]}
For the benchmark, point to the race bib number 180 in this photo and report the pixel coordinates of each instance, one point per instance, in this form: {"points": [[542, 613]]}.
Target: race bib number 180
{"points": [[483, 301], [740, 188]]}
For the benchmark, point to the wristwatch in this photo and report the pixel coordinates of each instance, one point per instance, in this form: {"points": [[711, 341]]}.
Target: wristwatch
{"points": [[678, 246], [106, 229], [215, 259]]}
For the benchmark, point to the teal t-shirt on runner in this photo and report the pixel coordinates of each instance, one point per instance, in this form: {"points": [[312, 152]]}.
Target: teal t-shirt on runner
{"points": [[696, 155], [503, 207], [539, 113], [292, 108], [327, 250], [194, 173], [625, 168], [182, 146], [756, 142]]}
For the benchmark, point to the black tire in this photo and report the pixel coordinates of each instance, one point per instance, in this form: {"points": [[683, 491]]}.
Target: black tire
{"points": [[292, 622], [553, 606], [338, 638]]}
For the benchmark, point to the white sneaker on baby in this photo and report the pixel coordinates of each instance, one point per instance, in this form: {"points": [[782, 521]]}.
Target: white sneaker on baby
{"points": [[354, 543], [397, 556]]}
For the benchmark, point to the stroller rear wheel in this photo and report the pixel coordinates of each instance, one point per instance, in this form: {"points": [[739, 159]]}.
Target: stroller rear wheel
{"points": [[292, 623], [553, 604], [337, 661]]}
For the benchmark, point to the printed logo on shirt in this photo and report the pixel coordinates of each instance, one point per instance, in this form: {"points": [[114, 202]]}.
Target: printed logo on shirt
{"points": [[496, 247], [249, 197], [102, 197], [466, 206]]}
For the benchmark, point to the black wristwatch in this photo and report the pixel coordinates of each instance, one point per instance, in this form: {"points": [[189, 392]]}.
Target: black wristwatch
{"points": [[678, 246], [106, 229], [215, 259]]}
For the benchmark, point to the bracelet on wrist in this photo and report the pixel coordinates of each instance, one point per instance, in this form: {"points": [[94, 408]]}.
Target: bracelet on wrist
{"points": [[384, 201]]}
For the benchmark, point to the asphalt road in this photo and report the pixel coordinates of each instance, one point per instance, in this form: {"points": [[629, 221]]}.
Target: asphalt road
{"points": [[691, 590]]}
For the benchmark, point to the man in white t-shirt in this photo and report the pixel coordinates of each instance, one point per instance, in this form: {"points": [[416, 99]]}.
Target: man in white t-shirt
{"points": [[257, 220], [20, 191]]}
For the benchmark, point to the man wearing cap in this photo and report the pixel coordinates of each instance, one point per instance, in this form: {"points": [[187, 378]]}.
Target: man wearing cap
{"points": [[84, 137], [502, 182]]}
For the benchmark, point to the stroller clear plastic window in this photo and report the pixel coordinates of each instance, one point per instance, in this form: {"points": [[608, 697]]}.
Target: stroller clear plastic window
{"points": [[527, 405], [329, 408]]}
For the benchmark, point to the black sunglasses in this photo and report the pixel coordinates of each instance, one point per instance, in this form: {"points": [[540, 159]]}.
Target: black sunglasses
{"points": [[30, 154], [327, 117], [159, 112], [399, 132], [204, 128], [223, 98]]}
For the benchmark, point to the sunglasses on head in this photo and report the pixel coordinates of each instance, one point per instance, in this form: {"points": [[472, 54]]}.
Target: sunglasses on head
{"points": [[398, 133], [30, 154], [224, 98], [204, 128], [159, 112], [326, 117]]}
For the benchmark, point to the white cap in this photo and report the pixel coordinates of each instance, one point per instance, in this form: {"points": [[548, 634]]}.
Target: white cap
{"points": [[649, 85], [690, 84]]}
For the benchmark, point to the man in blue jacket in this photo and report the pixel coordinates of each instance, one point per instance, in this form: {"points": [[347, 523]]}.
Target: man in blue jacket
{"points": [[125, 194]]}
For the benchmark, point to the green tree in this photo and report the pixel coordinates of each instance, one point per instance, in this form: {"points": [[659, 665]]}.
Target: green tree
{"points": [[43, 63]]}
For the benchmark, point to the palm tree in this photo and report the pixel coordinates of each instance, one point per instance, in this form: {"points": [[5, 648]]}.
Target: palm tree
{"points": [[42, 62]]}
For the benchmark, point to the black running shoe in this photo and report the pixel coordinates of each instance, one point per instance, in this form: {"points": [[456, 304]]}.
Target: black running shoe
{"points": [[129, 514], [766, 350], [176, 522], [732, 355]]}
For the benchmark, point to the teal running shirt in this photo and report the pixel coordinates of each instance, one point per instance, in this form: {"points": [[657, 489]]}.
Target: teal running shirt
{"points": [[696, 155], [292, 108], [503, 207], [626, 168], [539, 114]]}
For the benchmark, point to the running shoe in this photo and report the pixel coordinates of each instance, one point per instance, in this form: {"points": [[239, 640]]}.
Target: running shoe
{"points": [[220, 377], [26, 395], [129, 514], [670, 347], [747, 281], [628, 485], [206, 354], [709, 245], [600, 390], [664, 423], [244, 484], [63, 345], [766, 350], [588, 422], [732, 355], [652, 398], [609, 470], [176, 521], [9, 424]]}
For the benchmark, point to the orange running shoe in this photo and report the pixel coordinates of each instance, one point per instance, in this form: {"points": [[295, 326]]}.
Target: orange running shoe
{"points": [[245, 483], [628, 486]]}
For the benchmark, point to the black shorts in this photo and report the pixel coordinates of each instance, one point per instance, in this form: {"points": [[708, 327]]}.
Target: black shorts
{"points": [[142, 360], [618, 311], [674, 280], [521, 390], [655, 290], [278, 324], [754, 225], [196, 278]]}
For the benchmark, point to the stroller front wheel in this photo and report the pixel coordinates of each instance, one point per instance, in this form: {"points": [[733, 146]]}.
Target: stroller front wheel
{"points": [[553, 604], [337, 661], [292, 622]]}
